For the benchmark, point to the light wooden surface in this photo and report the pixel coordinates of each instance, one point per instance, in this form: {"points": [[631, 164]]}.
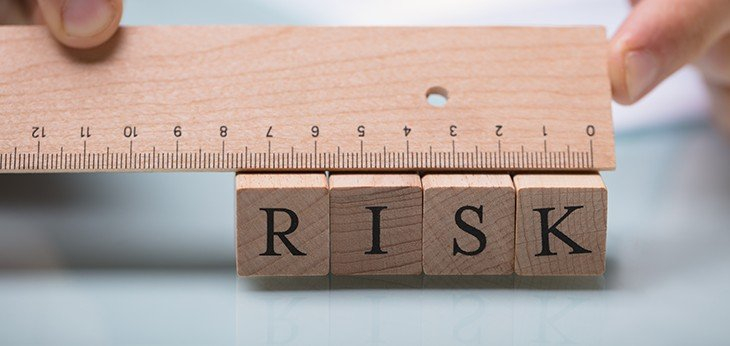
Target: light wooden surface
{"points": [[266, 98], [484, 205], [585, 225], [352, 224], [305, 195]]}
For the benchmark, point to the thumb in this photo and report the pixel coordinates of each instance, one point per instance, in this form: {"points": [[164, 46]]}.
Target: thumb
{"points": [[81, 23], [658, 38]]}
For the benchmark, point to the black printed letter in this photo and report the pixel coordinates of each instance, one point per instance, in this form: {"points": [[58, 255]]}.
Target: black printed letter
{"points": [[270, 233], [470, 229], [544, 213], [375, 249]]}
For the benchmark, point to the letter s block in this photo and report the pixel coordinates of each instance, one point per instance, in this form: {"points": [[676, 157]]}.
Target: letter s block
{"points": [[376, 223], [282, 224], [560, 225], [468, 224]]}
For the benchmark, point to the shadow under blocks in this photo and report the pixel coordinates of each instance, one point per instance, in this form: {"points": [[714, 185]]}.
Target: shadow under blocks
{"points": [[436, 225]]}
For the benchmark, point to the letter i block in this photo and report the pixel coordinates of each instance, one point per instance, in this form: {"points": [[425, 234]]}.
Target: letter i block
{"points": [[282, 224], [561, 225], [376, 224], [468, 224]]}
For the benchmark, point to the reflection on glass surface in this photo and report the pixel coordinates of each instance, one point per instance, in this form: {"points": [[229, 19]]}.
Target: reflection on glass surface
{"points": [[414, 310]]}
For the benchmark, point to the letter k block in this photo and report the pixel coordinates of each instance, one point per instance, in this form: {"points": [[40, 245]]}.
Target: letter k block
{"points": [[282, 224], [376, 224], [560, 225]]}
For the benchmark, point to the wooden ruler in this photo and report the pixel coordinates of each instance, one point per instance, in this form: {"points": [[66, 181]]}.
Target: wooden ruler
{"points": [[249, 98]]}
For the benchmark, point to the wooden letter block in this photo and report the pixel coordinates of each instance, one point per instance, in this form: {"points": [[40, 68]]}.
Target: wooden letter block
{"points": [[561, 225], [282, 222], [468, 225], [376, 223]]}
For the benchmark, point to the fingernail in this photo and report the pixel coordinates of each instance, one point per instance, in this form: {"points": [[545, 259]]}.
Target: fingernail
{"points": [[642, 69], [86, 18]]}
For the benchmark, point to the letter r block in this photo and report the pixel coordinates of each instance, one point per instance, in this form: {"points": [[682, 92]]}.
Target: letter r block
{"points": [[560, 225], [376, 223], [468, 224], [282, 224]]}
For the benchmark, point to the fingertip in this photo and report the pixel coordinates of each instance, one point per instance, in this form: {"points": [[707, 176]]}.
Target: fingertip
{"points": [[82, 23], [634, 67], [89, 23], [617, 72], [656, 40]]}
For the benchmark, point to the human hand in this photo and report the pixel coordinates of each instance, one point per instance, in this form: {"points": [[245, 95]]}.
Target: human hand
{"points": [[661, 36], [74, 23]]}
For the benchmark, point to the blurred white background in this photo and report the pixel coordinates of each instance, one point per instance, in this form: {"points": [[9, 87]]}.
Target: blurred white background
{"points": [[148, 258]]}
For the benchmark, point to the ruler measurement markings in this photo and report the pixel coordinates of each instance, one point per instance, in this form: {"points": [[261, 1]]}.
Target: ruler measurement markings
{"points": [[591, 142], [224, 159]]}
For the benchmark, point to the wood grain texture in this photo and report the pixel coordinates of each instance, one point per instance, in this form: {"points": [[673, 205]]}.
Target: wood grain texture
{"points": [[307, 196], [484, 202], [400, 200], [580, 201], [307, 99]]}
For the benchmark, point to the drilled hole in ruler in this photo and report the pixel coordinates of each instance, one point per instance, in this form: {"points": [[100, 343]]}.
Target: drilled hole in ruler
{"points": [[437, 96]]}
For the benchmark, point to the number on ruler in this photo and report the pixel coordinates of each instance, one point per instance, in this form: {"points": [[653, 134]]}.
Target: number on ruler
{"points": [[130, 131], [38, 132]]}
